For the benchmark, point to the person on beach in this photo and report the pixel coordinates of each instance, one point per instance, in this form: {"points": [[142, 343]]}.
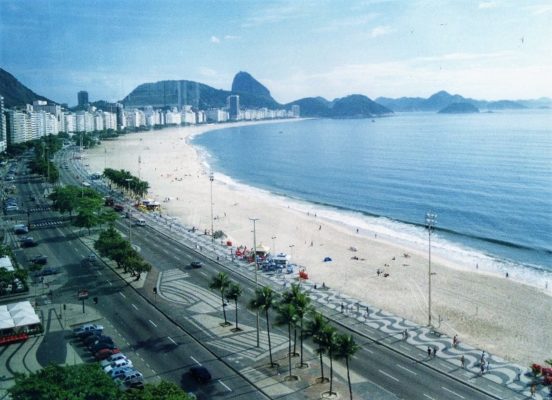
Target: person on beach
{"points": [[463, 362], [533, 390]]}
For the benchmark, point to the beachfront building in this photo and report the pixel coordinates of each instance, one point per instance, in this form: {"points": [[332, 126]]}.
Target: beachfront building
{"points": [[201, 117], [135, 118], [217, 115], [3, 139], [173, 117], [120, 117], [188, 116], [70, 122], [18, 126], [233, 106], [295, 111], [82, 98]]}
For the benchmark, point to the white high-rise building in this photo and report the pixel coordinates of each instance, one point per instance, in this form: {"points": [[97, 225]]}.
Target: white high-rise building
{"points": [[3, 133], [70, 123], [18, 126], [217, 115]]}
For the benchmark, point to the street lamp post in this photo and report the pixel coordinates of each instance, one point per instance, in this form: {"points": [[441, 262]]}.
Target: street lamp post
{"points": [[291, 246], [211, 179], [128, 180], [430, 220], [254, 220]]}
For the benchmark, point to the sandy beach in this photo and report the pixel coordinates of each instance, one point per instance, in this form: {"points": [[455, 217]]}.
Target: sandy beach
{"points": [[504, 317]]}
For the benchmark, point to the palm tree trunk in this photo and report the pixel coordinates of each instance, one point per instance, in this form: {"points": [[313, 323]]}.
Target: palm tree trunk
{"points": [[268, 333], [236, 302], [321, 367], [331, 371], [294, 341], [289, 348], [349, 378], [223, 308], [301, 346]]}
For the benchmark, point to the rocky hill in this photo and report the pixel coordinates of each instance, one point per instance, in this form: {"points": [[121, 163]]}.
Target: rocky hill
{"points": [[459, 108], [15, 93]]}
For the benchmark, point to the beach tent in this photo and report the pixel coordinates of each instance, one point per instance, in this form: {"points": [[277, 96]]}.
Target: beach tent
{"points": [[327, 259], [262, 250], [26, 320], [6, 324], [6, 263]]}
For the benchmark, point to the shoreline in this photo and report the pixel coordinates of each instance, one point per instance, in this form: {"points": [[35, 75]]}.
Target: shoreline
{"points": [[465, 298]]}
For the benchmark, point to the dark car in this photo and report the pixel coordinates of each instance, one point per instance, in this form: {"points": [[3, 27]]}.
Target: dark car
{"points": [[20, 228], [200, 374], [98, 340], [28, 242], [40, 260], [119, 207], [196, 264], [102, 345], [47, 271]]}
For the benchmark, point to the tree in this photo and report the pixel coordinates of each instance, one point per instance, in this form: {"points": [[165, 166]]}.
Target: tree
{"points": [[346, 348], [220, 283], [233, 292], [329, 340], [162, 391], [315, 329], [65, 199], [86, 219], [137, 265], [84, 381], [287, 315], [263, 301], [301, 301]]}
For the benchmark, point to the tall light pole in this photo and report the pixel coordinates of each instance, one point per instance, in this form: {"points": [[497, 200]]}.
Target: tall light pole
{"points": [[274, 244], [291, 246], [128, 180], [211, 179], [256, 267], [430, 220]]}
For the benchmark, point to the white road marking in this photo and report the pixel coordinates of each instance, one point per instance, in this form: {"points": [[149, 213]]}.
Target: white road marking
{"points": [[151, 322], [110, 284], [168, 337], [197, 362], [450, 391], [223, 384], [98, 272], [429, 397], [122, 294], [386, 374], [134, 306], [203, 273], [406, 369], [369, 351]]}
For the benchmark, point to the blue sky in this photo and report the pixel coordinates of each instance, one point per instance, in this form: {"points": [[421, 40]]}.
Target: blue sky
{"points": [[482, 49]]}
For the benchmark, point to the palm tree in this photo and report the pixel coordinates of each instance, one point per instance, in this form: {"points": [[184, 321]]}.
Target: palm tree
{"points": [[287, 315], [346, 348], [303, 306], [315, 328], [263, 301], [329, 340], [220, 283], [301, 301], [233, 292]]}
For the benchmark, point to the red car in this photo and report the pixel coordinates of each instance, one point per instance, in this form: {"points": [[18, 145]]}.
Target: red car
{"points": [[104, 353], [119, 207]]}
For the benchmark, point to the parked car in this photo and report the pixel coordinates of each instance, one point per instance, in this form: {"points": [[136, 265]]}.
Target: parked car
{"points": [[47, 271], [87, 330], [119, 207], [102, 345], [131, 376], [40, 260], [120, 371], [117, 364], [20, 229], [196, 264], [200, 374], [106, 353], [99, 340], [114, 357], [28, 242], [89, 340]]}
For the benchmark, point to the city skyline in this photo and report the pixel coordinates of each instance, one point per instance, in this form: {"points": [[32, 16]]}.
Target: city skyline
{"points": [[480, 49]]}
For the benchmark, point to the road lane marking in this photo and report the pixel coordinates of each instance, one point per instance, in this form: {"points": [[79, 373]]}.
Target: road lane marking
{"points": [[168, 337], [110, 284], [122, 294], [429, 397], [386, 374], [98, 272], [134, 306], [406, 369], [151, 322], [223, 384], [197, 362], [204, 274], [450, 391]]}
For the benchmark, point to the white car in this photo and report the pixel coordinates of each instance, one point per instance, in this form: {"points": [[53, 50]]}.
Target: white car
{"points": [[117, 364], [110, 359]]}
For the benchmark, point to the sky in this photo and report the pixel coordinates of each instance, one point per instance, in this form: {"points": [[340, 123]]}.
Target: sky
{"points": [[483, 49]]}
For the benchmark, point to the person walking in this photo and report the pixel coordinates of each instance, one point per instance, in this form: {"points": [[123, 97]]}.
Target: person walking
{"points": [[533, 390], [482, 366], [518, 374], [488, 365], [435, 352], [429, 351], [463, 362]]}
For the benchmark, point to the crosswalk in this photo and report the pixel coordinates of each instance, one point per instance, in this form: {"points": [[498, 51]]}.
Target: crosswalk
{"points": [[39, 209], [46, 224]]}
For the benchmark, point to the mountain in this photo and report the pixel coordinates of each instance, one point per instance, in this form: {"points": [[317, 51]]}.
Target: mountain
{"points": [[357, 106], [442, 99], [15, 93], [459, 108], [312, 106]]}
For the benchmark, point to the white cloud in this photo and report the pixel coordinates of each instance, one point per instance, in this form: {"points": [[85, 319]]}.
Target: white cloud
{"points": [[488, 4], [540, 9], [380, 31], [215, 39], [231, 37]]}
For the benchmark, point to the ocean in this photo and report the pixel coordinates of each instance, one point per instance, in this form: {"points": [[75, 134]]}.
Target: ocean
{"points": [[487, 176]]}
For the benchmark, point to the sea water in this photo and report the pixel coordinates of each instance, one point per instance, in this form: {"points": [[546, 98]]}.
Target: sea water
{"points": [[487, 176]]}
